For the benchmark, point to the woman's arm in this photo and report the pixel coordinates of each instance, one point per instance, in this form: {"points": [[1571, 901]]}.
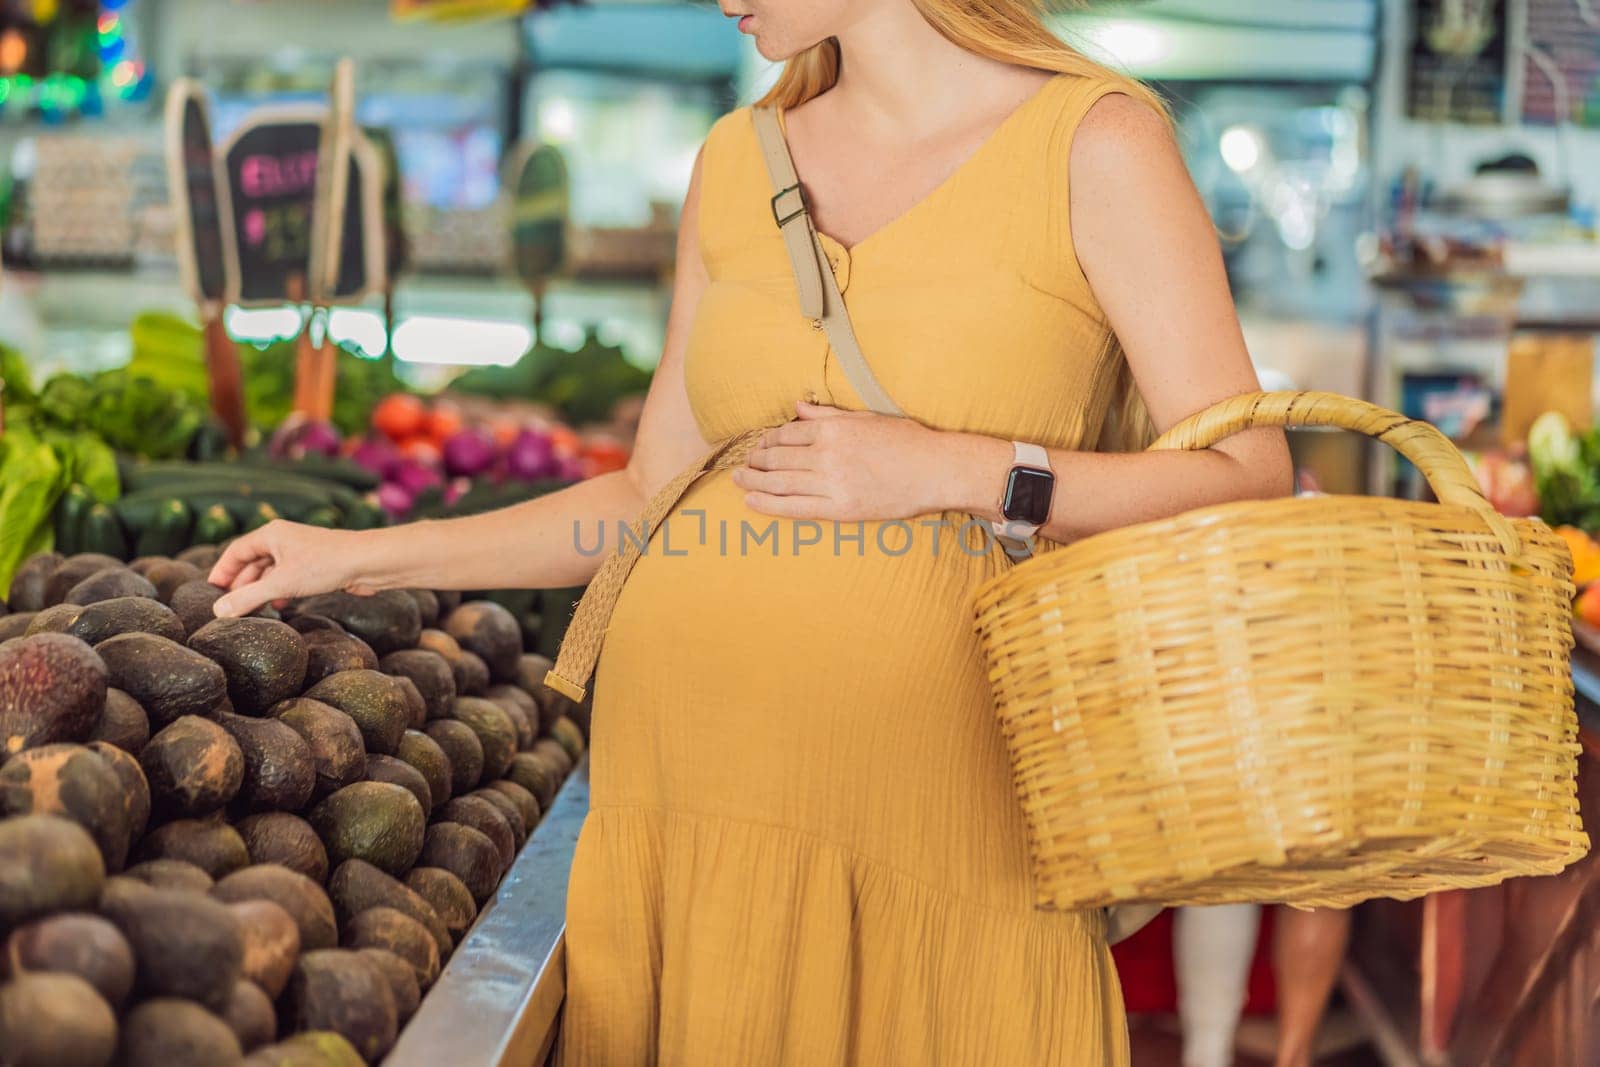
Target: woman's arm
{"points": [[530, 545], [1148, 247]]}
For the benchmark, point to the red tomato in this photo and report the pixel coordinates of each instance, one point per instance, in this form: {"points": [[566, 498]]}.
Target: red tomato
{"points": [[399, 416], [444, 423]]}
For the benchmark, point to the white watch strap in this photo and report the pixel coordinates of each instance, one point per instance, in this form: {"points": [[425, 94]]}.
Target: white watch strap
{"points": [[1028, 455], [1013, 534]]}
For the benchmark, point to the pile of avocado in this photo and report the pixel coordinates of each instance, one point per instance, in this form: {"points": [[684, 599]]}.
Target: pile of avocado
{"points": [[252, 840]]}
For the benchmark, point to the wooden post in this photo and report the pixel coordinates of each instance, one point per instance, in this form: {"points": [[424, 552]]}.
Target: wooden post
{"points": [[305, 366], [537, 289], [327, 364], [224, 375]]}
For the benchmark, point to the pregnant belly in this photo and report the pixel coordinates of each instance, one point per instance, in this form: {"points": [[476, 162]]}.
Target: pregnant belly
{"points": [[745, 655]]}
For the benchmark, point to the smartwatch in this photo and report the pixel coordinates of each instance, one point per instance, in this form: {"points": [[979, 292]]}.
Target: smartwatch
{"points": [[1030, 486]]}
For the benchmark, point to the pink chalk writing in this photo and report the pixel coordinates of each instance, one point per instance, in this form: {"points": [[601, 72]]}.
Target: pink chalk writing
{"points": [[278, 175]]}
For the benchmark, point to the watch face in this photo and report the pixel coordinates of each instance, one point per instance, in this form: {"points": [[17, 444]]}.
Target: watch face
{"points": [[1028, 493]]}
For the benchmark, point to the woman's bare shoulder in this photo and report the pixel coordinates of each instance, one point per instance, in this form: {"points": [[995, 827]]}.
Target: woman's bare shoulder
{"points": [[1120, 132]]}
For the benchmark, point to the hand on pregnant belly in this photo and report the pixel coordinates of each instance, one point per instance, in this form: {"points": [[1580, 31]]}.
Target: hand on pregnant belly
{"points": [[860, 466]]}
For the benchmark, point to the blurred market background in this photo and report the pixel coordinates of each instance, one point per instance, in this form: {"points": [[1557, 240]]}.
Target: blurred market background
{"points": [[1406, 193]]}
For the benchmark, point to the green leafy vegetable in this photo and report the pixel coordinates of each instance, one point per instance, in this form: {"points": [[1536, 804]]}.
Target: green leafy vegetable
{"points": [[32, 477], [1566, 472]]}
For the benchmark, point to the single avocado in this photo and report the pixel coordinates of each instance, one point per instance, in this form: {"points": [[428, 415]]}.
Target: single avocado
{"points": [[125, 614], [508, 808], [523, 710], [375, 701], [287, 840], [396, 932], [52, 688], [342, 991], [27, 592], [85, 945], [215, 847], [168, 575], [305, 624], [171, 874], [75, 783], [109, 584], [472, 674], [194, 603], [141, 564], [193, 766], [280, 773], [531, 669], [122, 723], [465, 853], [388, 621], [396, 771], [16, 625], [338, 754], [462, 748], [186, 944], [478, 813], [448, 896], [373, 821], [202, 556], [565, 732], [424, 753], [402, 979], [525, 801], [47, 864], [441, 644], [72, 570], [56, 619], [535, 775], [303, 899], [271, 943], [55, 1020], [310, 1048], [135, 790], [329, 652], [357, 886], [427, 606], [496, 732], [168, 680], [250, 1016], [414, 701], [166, 1032], [489, 630], [554, 753], [431, 674], [265, 661]]}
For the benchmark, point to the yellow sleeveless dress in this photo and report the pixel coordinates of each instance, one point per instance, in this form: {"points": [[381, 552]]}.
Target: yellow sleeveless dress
{"points": [[803, 847]]}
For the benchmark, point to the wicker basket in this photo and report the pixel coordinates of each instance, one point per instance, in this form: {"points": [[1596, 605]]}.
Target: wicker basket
{"points": [[1312, 700]]}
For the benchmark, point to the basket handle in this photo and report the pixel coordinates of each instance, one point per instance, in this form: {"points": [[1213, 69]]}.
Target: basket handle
{"points": [[1420, 442]]}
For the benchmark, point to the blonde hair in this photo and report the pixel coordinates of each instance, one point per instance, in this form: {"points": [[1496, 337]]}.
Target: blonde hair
{"points": [[1010, 31]]}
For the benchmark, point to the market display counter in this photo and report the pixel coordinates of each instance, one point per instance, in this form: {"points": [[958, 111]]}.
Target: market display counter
{"points": [[499, 999], [1509, 974]]}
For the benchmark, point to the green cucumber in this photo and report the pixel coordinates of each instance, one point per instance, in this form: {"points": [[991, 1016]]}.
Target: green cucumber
{"points": [[102, 532], [326, 517], [214, 526], [167, 533], [70, 511], [263, 514]]}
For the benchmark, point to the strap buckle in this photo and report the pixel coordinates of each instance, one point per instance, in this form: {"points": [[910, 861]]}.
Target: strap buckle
{"points": [[800, 194]]}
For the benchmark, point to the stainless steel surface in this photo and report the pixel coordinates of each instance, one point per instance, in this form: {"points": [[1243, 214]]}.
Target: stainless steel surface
{"points": [[498, 999]]}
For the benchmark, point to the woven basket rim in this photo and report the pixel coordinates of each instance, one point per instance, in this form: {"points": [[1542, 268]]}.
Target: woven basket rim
{"points": [[1061, 555]]}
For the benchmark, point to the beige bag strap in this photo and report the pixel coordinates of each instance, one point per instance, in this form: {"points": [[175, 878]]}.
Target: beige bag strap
{"points": [[820, 299]]}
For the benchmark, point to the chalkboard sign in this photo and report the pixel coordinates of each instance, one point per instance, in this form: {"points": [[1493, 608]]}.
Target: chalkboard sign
{"points": [[271, 166], [200, 199], [540, 204]]}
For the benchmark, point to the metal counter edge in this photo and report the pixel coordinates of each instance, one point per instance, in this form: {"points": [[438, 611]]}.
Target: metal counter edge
{"points": [[497, 1000]]}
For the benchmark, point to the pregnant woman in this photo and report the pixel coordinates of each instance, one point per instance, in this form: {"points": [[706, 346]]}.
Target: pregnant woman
{"points": [[804, 848]]}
